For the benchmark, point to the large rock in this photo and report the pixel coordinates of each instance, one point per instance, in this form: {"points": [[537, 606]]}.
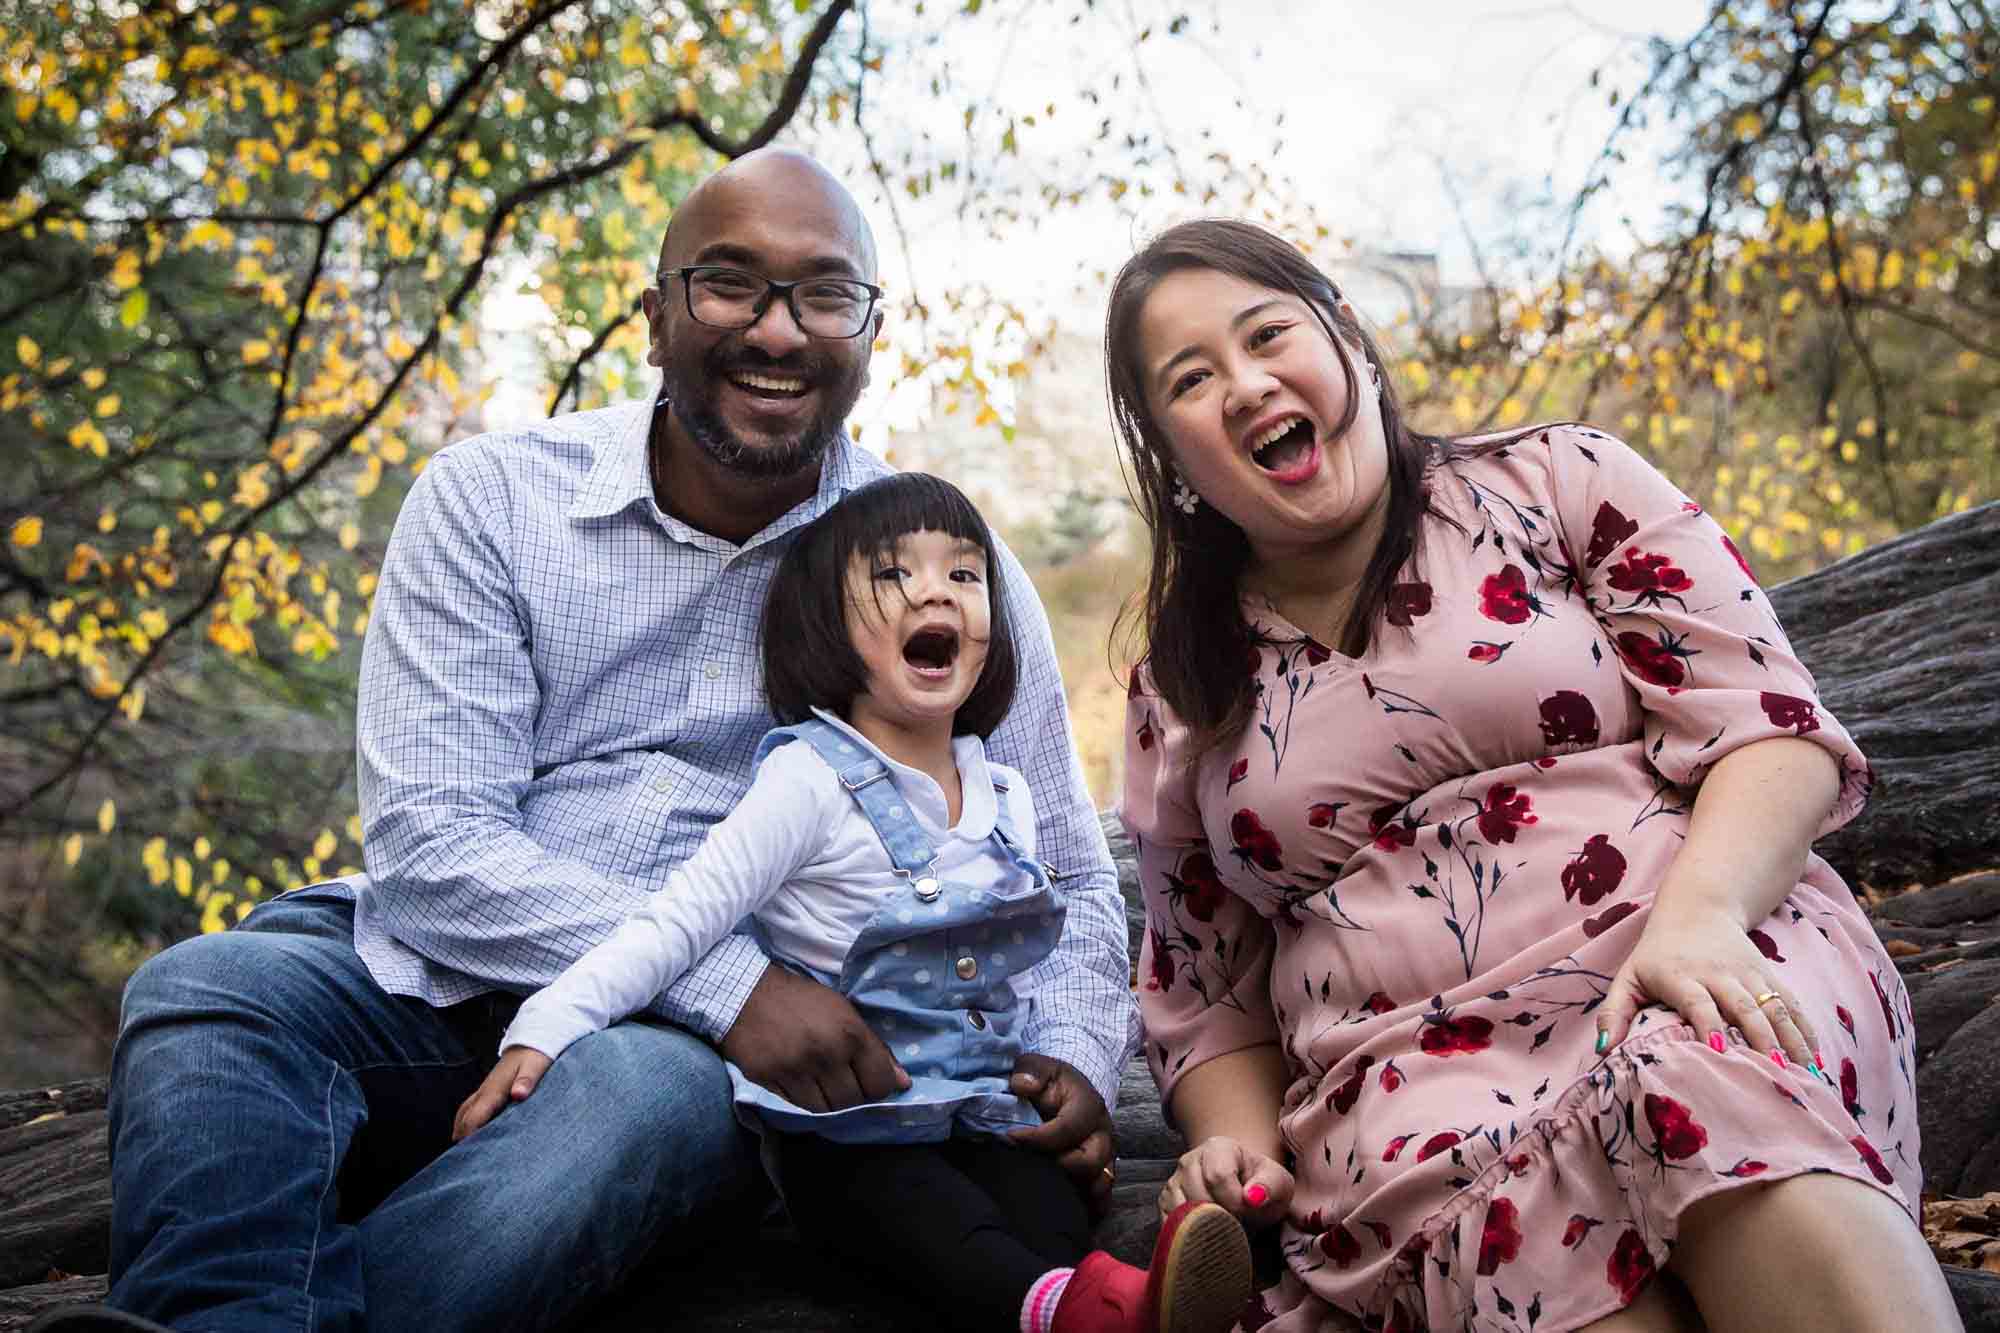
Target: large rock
{"points": [[1905, 643]]}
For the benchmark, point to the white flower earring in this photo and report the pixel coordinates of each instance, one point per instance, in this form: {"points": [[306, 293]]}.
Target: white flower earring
{"points": [[1185, 499]]}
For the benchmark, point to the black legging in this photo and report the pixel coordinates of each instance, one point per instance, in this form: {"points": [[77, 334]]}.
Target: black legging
{"points": [[964, 1226]]}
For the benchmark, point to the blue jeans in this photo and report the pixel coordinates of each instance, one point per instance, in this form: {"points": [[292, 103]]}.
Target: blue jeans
{"points": [[281, 1151]]}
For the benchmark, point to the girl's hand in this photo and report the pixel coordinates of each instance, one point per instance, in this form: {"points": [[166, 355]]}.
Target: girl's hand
{"points": [[1221, 1170], [1701, 963], [519, 1070]]}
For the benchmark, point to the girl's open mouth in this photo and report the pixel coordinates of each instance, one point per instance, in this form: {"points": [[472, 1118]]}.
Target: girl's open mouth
{"points": [[932, 650]]}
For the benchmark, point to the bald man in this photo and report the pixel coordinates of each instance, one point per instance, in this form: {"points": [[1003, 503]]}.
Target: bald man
{"points": [[559, 695]]}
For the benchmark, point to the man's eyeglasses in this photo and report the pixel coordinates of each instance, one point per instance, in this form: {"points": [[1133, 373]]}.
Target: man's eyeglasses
{"points": [[730, 298]]}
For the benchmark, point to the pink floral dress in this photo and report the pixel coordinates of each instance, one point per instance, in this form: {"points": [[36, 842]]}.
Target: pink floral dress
{"points": [[1419, 870]]}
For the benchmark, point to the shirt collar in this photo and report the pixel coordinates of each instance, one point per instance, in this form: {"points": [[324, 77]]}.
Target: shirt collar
{"points": [[619, 477], [978, 802]]}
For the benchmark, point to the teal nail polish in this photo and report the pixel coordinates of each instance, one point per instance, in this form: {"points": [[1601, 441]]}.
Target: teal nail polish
{"points": [[1603, 1040], [1813, 1068]]}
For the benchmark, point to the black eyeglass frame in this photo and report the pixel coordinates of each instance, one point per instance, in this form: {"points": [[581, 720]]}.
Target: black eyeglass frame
{"points": [[772, 288]]}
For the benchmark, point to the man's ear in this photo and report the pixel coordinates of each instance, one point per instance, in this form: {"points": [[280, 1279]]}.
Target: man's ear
{"points": [[867, 366], [653, 302]]}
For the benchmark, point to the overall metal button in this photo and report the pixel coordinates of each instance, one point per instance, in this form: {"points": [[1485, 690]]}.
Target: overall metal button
{"points": [[927, 889], [966, 967], [977, 1019]]}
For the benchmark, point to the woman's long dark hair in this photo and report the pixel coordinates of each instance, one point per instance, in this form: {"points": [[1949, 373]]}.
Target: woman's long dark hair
{"points": [[1196, 641]]}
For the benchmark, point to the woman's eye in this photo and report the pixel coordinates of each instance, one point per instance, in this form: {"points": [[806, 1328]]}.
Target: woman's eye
{"points": [[1266, 334], [1184, 383], [892, 573], [965, 575]]}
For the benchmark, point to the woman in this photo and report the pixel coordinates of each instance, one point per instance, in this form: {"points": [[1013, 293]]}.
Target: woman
{"points": [[1474, 784]]}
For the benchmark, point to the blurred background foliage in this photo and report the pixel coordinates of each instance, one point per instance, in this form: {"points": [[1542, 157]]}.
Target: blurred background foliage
{"points": [[251, 257]]}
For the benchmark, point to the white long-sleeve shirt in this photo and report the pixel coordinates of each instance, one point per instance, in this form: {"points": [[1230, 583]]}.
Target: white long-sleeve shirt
{"points": [[798, 854]]}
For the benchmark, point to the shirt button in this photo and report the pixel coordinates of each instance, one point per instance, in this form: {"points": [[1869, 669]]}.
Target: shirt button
{"points": [[663, 785], [966, 967], [976, 1018], [712, 671]]}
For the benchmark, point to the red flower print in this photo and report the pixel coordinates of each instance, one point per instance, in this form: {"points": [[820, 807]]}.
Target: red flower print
{"points": [[1198, 887], [1646, 572], [1850, 1088], [1317, 653], [1873, 1158], [1389, 832], [1396, 1146], [1846, 1019], [1381, 1233], [1606, 919], [1579, 1227], [1749, 1167], [1504, 596], [1608, 532], [1486, 654], [1343, 1098], [1630, 1266], [1163, 962], [1337, 1243], [1254, 842], [1436, 1144], [1378, 1002], [1505, 810], [1392, 1077], [1568, 718], [1787, 710], [1888, 1014], [1500, 1238], [1456, 1036], [1737, 556], [1320, 814], [1593, 873], [1407, 601], [1675, 1129], [1650, 659], [1237, 772], [1766, 946]]}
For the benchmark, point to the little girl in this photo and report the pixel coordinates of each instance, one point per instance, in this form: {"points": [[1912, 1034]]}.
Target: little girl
{"points": [[880, 852]]}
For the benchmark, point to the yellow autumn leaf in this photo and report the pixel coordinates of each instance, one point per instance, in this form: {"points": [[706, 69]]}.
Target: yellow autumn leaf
{"points": [[93, 378], [108, 405], [133, 308], [28, 351], [107, 816], [72, 848], [350, 536], [26, 532], [325, 844], [201, 849], [256, 350], [134, 703]]}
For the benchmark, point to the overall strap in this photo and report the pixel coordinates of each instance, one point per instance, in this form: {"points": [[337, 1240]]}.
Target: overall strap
{"points": [[866, 779]]}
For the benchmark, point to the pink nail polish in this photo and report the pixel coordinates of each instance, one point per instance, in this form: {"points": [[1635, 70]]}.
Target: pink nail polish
{"points": [[1256, 1196], [1715, 1040], [1778, 1058]]}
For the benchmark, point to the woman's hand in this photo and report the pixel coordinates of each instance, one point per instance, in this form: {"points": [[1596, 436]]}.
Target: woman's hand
{"points": [[1220, 1170], [519, 1070], [1699, 961]]}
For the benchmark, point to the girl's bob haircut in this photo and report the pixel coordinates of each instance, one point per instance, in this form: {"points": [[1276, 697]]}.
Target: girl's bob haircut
{"points": [[809, 660]]}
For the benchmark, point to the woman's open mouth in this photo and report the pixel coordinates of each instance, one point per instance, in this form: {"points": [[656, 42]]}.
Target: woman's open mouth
{"points": [[1284, 447], [932, 651]]}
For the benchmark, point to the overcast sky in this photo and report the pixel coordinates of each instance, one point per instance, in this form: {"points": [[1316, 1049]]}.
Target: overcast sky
{"points": [[1369, 115]]}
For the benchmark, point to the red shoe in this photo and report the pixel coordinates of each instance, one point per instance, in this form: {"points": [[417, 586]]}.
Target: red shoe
{"points": [[1199, 1281]]}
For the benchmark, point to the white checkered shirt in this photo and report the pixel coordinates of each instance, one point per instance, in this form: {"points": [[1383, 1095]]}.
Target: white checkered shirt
{"points": [[561, 692]]}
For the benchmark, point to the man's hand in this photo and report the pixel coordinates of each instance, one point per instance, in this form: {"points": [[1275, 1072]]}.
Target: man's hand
{"points": [[807, 1044], [1076, 1128], [512, 1080]]}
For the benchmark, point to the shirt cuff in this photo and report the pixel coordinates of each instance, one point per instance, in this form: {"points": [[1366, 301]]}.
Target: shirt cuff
{"points": [[544, 1025], [1086, 1052], [710, 995]]}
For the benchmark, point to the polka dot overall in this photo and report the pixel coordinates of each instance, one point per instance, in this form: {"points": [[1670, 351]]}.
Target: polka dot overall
{"points": [[931, 973]]}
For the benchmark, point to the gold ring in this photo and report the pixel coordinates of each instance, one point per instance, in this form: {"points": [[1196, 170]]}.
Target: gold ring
{"points": [[1767, 997]]}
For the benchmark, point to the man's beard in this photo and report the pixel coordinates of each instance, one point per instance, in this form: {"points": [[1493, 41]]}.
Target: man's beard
{"points": [[692, 399]]}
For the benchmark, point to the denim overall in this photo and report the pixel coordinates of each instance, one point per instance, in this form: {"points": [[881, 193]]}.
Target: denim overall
{"points": [[929, 973]]}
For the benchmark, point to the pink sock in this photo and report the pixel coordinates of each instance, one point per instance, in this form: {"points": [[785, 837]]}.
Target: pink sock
{"points": [[1038, 1307]]}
